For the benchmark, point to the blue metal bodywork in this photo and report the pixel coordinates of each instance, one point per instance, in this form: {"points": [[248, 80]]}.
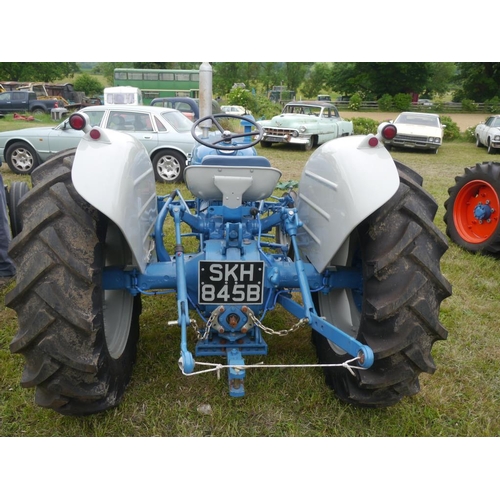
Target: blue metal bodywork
{"points": [[226, 239]]}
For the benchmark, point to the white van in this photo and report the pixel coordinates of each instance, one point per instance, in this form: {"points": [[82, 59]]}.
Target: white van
{"points": [[123, 95]]}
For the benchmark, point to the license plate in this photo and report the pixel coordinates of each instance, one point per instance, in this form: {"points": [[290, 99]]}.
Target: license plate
{"points": [[230, 282], [274, 139]]}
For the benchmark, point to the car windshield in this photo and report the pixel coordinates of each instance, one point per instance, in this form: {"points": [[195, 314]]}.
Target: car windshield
{"points": [[180, 122], [414, 119], [304, 110]]}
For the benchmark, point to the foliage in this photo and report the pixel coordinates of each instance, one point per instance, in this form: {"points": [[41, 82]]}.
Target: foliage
{"points": [[380, 78], [493, 105], [88, 84], [385, 103], [242, 97], [402, 102], [36, 71], [363, 126], [469, 105], [265, 109], [479, 81], [355, 102], [470, 134], [452, 130], [316, 79]]}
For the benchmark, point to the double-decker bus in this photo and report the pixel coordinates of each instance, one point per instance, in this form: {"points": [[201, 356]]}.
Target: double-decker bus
{"points": [[160, 82]]}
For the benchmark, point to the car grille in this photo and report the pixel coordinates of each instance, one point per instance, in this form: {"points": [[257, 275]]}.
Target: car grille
{"points": [[411, 139], [279, 131]]}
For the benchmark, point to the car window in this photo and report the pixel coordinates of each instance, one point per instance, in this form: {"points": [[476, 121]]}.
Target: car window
{"points": [[178, 121], [95, 117], [129, 121], [159, 125]]}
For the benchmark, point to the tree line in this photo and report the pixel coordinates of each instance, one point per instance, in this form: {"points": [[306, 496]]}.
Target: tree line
{"points": [[371, 80]]}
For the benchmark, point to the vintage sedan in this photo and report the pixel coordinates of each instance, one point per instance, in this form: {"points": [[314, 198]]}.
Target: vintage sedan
{"points": [[417, 131], [488, 134], [164, 132], [305, 123]]}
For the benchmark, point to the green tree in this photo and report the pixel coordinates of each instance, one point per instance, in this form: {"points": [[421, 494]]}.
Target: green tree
{"points": [[316, 79], [37, 71], [88, 84], [374, 79], [479, 81]]}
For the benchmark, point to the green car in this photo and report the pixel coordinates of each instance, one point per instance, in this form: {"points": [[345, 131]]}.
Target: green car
{"points": [[306, 123]]}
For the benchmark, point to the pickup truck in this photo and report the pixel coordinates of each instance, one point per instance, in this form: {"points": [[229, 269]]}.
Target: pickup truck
{"points": [[306, 124], [23, 101]]}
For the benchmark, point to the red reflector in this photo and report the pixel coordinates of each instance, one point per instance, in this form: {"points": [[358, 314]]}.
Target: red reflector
{"points": [[77, 122], [95, 134], [373, 141], [389, 131]]}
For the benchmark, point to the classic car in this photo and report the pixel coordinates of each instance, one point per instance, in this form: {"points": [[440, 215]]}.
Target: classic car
{"points": [[488, 134], [417, 131], [305, 123], [165, 133]]}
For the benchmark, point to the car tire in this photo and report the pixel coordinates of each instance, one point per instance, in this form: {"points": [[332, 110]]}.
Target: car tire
{"points": [[397, 250], [21, 158], [309, 145], [266, 144], [169, 166], [491, 149], [79, 341], [478, 143]]}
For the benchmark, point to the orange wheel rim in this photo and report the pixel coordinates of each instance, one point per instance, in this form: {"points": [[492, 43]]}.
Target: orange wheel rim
{"points": [[475, 212]]}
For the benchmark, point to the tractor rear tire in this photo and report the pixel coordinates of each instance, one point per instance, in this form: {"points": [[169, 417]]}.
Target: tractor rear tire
{"points": [[16, 191], [398, 250], [78, 340], [478, 185]]}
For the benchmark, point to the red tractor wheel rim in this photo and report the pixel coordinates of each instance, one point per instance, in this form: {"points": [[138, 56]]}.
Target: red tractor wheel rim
{"points": [[469, 228]]}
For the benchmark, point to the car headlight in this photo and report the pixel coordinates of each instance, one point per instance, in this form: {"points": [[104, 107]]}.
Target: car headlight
{"points": [[436, 140], [302, 129], [295, 133], [496, 138]]}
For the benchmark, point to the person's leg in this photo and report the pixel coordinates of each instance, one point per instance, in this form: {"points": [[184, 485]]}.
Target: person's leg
{"points": [[7, 268]]}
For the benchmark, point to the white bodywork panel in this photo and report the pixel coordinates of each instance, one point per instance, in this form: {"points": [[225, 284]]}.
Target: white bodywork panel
{"points": [[344, 181], [114, 174]]}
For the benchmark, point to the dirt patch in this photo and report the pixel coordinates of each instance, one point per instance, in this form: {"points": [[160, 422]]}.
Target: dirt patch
{"points": [[463, 120]]}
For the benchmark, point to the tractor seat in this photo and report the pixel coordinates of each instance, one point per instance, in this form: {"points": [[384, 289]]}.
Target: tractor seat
{"points": [[233, 185], [236, 161]]}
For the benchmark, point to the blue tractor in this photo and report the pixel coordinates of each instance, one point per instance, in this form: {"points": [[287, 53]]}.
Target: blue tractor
{"points": [[353, 256]]}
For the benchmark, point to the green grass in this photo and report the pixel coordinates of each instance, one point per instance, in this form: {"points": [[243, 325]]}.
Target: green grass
{"points": [[460, 399]]}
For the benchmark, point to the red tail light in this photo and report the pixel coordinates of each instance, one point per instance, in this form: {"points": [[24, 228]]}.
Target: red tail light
{"points": [[389, 131], [77, 121]]}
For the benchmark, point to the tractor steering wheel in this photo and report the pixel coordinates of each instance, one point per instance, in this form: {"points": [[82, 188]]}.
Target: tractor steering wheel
{"points": [[227, 135]]}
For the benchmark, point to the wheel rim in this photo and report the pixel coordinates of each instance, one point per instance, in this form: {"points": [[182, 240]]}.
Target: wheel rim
{"points": [[470, 200], [342, 307], [22, 159], [118, 304], [168, 167]]}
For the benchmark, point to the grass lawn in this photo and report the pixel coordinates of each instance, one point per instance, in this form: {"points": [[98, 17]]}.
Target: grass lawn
{"points": [[460, 399]]}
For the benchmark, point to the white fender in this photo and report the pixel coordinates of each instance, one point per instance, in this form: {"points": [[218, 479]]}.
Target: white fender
{"points": [[114, 174], [343, 182]]}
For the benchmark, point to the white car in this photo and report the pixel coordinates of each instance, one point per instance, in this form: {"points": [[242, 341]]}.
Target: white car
{"points": [[417, 131], [488, 134], [234, 110]]}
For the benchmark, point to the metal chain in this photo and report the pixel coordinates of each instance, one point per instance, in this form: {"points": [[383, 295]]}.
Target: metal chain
{"points": [[270, 331], [251, 315]]}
